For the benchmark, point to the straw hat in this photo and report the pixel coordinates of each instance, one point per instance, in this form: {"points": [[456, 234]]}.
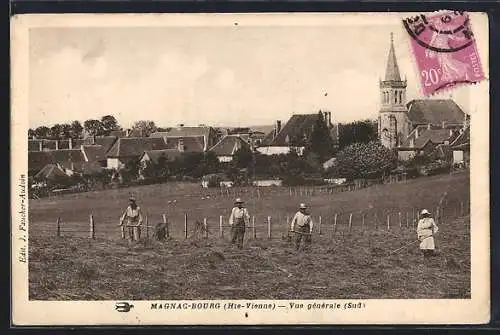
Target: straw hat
{"points": [[425, 212], [238, 201], [303, 206]]}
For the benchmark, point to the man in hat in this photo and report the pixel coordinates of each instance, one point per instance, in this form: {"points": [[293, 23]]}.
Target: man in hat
{"points": [[302, 226], [238, 219], [133, 217], [426, 228]]}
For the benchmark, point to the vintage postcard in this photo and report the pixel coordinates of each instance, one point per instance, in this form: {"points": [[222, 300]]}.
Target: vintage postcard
{"points": [[250, 169]]}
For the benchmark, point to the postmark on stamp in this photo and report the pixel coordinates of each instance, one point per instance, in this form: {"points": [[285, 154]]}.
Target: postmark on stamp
{"points": [[445, 50]]}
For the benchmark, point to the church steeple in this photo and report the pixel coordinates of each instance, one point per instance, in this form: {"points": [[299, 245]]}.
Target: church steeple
{"points": [[393, 123], [392, 69]]}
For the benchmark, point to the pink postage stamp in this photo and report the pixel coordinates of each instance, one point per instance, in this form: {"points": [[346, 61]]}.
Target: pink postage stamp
{"points": [[445, 50]]}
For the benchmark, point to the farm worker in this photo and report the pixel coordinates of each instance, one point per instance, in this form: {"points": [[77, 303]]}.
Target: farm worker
{"points": [[133, 216], [238, 219], [426, 228], [302, 225]]}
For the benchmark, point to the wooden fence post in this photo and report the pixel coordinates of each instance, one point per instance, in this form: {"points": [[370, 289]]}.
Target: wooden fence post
{"points": [[407, 221], [334, 225], [461, 208], [287, 227], [363, 220], [185, 225], [147, 227], [221, 228], [253, 228], [350, 222], [319, 224], [269, 227], [58, 227], [166, 224], [400, 220], [92, 226], [376, 220], [205, 225], [388, 221]]}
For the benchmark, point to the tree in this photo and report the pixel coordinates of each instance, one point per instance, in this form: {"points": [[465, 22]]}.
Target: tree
{"points": [[243, 157], [42, 132], [76, 129], [109, 123], [93, 127], [56, 131], [145, 127], [364, 160], [320, 141], [357, 132], [66, 131]]}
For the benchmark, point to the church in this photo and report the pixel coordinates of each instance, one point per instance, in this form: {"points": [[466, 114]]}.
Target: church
{"points": [[417, 126]]}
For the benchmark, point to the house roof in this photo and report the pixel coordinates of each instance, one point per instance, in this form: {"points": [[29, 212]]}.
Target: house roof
{"points": [[38, 159], [105, 141], [135, 146], [94, 153], [462, 140], [50, 172], [170, 154], [189, 131], [293, 131], [436, 136], [435, 111], [228, 145], [191, 144], [392, 69]]}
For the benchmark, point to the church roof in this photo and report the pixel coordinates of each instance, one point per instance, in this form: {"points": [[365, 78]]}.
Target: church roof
{"points": [[392, 69], [435, 111]]}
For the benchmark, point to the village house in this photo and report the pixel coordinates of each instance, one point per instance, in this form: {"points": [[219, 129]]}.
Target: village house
{"points": [[460, 147], [128, 149], [424, 140], [226, 148], [183, 137], [295, 134]]}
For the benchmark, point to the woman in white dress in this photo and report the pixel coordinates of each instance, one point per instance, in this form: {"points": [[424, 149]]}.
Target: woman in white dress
{"points": [[426, 229]]}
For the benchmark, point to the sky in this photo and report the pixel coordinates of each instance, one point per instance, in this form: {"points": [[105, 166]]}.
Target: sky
{"points": [[218, 75]]}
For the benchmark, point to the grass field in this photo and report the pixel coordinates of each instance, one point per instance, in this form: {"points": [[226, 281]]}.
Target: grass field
{"points": [[347, 265]]}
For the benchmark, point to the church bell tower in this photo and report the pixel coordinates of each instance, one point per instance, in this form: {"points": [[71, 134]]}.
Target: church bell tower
{"points": [[392, 120]]}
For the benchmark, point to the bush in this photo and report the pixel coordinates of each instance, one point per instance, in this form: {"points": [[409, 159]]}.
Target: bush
{"points": [[364, 160]]}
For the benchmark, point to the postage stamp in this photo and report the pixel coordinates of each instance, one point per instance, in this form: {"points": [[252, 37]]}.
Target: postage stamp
{"points": [[444, 48], [185, 169]]}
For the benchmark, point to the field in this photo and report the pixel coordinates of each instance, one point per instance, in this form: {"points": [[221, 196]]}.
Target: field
{"points": [[345, 263]]}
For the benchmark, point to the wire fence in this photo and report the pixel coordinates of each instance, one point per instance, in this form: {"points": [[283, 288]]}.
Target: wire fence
{"points": [[275, 226]]}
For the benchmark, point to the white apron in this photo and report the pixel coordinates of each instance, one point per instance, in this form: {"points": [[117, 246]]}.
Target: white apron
{"points": [[425, 230]]}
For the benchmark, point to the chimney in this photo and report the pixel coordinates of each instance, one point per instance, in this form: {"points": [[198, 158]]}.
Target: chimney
{"points": [[40, 145], [127, 133], [180, 145], [70, 143], [451, 132], [428, 126], [277, 128], [443, 124], [57, 144]]}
